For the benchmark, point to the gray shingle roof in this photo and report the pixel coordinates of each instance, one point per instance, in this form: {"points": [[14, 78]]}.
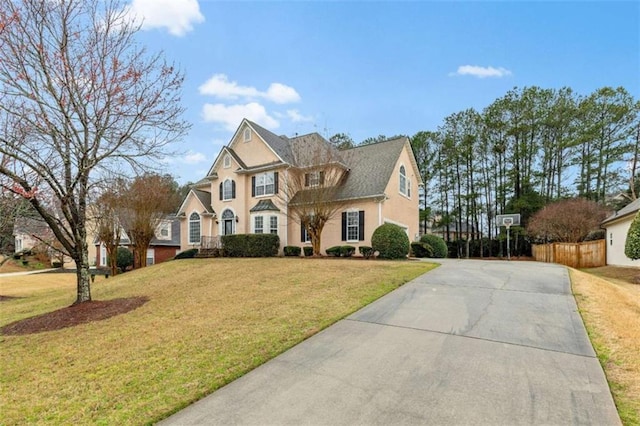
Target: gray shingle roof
{"points": [[175, 234], [31, 226], [205, 199], [629, 209], [279, 144], [264, 206], [371, 168]]}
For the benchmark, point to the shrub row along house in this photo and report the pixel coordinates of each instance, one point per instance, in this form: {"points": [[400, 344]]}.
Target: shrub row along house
{"points": [[293, 187]]}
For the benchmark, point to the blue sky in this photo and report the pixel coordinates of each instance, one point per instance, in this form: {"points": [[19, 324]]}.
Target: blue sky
{"points": [[370, 68]]}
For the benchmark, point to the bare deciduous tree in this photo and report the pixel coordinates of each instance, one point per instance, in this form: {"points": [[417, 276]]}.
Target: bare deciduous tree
{"points": [[567, 221], [147, 201], [79, 95], [312, 188]]}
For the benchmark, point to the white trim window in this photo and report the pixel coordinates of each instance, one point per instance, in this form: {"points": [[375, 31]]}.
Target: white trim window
{"points": [[265, 184], [403, 181], [194, 228], [151, 256], [103, 255], [258, 225], [227, 189], [353, 225], [273, 225], [227, 161], [247, 134]]}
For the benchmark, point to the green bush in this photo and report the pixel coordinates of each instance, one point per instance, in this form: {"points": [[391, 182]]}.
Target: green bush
{"points": [[421, 249], [390, 241], [251, 245], [292, 251], [437, 244], [56, 264], [124, 258], [334, 251], [347, 251], [187, 254], [366, 251], [308, 251], [632, 243]]}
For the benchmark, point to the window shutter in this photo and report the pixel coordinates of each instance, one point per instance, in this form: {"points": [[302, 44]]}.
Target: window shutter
{"points": [[221, 189], [321, 178], [344, 226], [253, 186], [361, 225], [233, 189], [302, 239], [306, 179], [275, 182]]}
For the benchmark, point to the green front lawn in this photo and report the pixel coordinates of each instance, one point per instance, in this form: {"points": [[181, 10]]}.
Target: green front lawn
{"points": [[208, 321]]}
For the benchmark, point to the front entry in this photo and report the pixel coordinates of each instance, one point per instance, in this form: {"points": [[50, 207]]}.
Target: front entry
{"points": [[227, 222]]}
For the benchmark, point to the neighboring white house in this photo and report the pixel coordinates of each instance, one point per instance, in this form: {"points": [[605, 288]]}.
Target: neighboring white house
{"points": [[617, 227]]}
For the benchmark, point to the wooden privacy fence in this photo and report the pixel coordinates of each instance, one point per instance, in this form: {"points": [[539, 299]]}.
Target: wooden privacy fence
{"points": [[590, 254]]}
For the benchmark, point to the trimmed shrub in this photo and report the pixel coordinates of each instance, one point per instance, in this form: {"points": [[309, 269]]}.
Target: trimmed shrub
{"points": [[366, 251], [347, 251], [56, 264], [632, 243], [292, 251], [390, 241], [421, 249], [187, 254], [598, 234], [250, 245], [124, 258], [308, 251], [334, 251], [437, 244]]}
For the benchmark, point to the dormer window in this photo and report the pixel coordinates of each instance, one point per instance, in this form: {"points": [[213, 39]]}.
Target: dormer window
{"points": [[314, 179], [247, 134], [227, 161]]}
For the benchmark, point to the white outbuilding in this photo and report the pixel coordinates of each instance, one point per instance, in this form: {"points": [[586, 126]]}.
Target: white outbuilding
{"points": [[617, 227]]}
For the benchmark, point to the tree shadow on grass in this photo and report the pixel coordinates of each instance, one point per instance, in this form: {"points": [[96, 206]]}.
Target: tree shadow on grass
{"points": [[73, 315]]}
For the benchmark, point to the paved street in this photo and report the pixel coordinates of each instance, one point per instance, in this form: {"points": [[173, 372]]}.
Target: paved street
{"points": [[470, 342]]}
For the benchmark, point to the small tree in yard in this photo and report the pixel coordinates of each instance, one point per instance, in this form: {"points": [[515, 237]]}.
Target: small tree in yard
{"points": [[313, 187], [107, 207], [567, 221], [147, 201], [79, 96], [632, 244]]}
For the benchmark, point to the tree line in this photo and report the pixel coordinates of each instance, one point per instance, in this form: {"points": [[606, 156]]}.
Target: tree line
{"points": [[527, 149]]}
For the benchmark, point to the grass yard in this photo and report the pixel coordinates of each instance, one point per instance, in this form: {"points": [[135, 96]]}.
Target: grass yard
{"points": [[208, 321], [610, 309]]}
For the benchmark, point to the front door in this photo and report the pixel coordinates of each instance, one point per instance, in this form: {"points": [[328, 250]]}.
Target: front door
{"points": [[228, 226]]}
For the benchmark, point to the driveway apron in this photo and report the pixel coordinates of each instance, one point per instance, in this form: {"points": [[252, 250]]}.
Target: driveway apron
{"points": [[471, 342]]}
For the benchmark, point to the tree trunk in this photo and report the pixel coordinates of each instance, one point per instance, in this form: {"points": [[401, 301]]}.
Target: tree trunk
{"points": [[83, 277]]}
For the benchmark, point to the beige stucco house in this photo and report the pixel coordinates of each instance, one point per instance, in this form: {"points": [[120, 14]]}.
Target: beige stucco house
{"points": [[617, 226], [245, 189]]}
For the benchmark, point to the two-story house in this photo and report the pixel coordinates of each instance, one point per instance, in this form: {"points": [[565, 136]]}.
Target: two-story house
{"points": [[248, 189]]}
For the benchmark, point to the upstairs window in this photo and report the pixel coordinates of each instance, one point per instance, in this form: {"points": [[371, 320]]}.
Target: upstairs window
{"points": [[247, 134], [227, 190], [314, 179], [403, 181], [264, 184], [227, 161]]}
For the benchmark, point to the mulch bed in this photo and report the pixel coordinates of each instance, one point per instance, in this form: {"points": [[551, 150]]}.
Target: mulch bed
{"points": [[82, 313]]}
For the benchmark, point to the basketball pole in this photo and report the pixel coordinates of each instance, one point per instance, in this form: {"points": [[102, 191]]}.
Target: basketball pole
{"points": [[508, 244]]}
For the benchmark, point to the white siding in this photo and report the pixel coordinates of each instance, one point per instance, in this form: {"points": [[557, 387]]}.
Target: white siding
{"points": [[616, 238]]}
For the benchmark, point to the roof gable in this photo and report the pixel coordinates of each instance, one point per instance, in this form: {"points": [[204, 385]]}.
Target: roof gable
{"points": [[203, 197], [629, 210]]}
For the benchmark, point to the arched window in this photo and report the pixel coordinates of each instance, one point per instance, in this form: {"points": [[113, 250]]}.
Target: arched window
{"points": [[194, 228], [227, 190], [227, 161], [403, 181]]}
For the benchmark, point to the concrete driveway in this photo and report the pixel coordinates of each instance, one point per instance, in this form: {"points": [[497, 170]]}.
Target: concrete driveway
{"points": [[471, 342]]}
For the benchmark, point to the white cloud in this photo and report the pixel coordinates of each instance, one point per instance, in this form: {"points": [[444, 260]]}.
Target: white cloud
{"points": [[177, 16], [194, 158], [230, 116], [295, 116], [481, 72], [220, 86]]}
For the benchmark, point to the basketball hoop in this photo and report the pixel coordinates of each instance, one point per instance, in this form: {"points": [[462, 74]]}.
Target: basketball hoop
{"points": [[507, 221]]}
